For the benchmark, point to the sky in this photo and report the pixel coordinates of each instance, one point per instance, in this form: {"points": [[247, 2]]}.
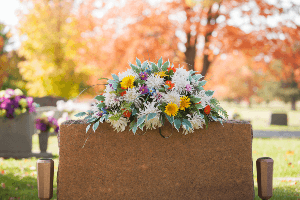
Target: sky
{"points": [[9, 7]]}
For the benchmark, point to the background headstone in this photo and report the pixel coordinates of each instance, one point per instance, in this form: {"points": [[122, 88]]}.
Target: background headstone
{"points": [[48, 100], [279, 119]]}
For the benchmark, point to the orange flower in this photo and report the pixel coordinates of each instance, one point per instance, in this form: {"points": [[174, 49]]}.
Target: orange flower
{"points": [[127, 113], [123, 93], [198, 103], [170, 84], [172, 68], [207, 109]]}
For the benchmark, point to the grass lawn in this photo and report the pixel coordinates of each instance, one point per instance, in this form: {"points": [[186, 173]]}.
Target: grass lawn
{"points": [[260, 114], [18, 178]]}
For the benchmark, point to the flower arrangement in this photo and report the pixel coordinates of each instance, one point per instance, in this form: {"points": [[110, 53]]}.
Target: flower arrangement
{"points": [[148, 94], [14, 103], [47, 123]]}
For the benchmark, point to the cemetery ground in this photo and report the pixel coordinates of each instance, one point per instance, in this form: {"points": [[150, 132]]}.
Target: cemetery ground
{"points": [[18, 177]]}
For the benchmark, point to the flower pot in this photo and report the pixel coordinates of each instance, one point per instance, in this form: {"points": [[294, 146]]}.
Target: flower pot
{"points": [[45, 174], [16, 136], [43, 141], [208, 164], [264, 166]]}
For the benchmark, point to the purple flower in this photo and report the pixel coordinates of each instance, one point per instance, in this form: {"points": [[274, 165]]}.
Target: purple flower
{"points": [[188, 87], [143, 75], [144, 89]]}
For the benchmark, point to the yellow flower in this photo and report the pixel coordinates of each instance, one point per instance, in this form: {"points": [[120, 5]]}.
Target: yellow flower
{"points": [[127, 82], [184, 103], [161, 74], [171, 109]]}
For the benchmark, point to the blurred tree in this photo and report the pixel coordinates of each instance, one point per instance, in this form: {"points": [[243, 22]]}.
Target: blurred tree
{"points": [[13, 79], [4, 41], [238, 80], [53, 39], [207, 29], [285, 89]]}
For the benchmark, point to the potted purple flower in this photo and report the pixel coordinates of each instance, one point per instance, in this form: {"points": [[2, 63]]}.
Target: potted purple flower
{"points": [[16, 122], [13, 103], [45, 125]]}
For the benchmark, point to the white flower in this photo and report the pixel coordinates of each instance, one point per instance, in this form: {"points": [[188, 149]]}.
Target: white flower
{"points": [[110, 99], [180, 79], [171, 97], [131, 94], [196, 121], [2, 93], [154, 81], [18, 92], [120, 124], [151, 108], [205, 100], [60, 105], [127, 73]]}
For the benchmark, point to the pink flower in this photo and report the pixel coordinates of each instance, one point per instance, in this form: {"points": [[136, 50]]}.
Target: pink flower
{"points": [[188, 87]]}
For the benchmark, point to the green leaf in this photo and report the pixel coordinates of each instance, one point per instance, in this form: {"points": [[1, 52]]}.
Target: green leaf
{"points": [[135, 68], [159, 62], [171, 119], [154, 67], [209, 92], [187, 123], [102, 118], [115, 85], [101, 105], [80, 114], [196, 77], [116, 78], [87, 128], [199, 106], [95, 126], [165, 66], [161, 89], [138, 62], [141, 126], [134, 127], [144, 65], [192, 72], [195, 99], [111, 81], [88, 117], [202, 83], [115, 117], [200, 88], [92, 120], [206, 121], [177, 123], [151, 116], [100, 98], [141, 120], [134, 111]]}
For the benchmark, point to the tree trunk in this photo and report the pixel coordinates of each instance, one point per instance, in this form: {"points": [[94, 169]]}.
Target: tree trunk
{"points": [[293, 103], [206, 64], [190, 53]]}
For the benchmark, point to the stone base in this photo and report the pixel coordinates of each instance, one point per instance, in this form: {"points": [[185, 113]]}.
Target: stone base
{"points": [[211, 164], [20, 155]]}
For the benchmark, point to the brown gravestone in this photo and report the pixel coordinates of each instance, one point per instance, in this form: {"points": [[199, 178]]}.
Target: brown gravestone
{"points": [[48, 100], [279, 119], [208, 164]]}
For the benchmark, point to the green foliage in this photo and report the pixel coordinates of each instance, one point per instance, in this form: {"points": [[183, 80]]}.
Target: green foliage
{"points": [[214, 102], [51, 51]]}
